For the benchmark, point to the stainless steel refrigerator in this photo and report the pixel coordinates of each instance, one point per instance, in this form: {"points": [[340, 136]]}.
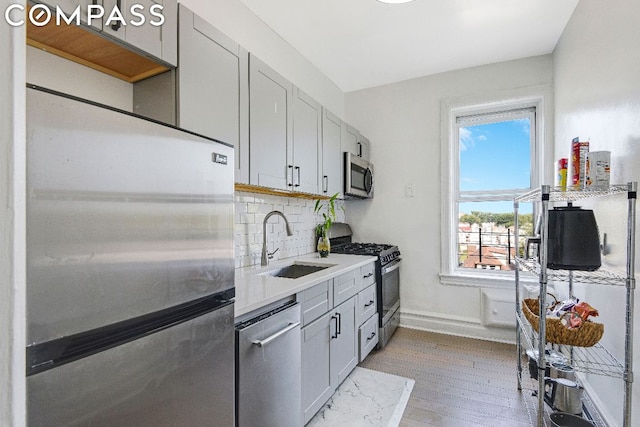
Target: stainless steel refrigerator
{"points": [[130, 270]]}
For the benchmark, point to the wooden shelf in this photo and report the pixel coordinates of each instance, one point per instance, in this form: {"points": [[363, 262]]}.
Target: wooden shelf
{"points": [[274, 192], [85, 47]]}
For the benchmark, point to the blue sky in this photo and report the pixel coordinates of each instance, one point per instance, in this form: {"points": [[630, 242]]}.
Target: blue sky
{"points": [[494, 156]]}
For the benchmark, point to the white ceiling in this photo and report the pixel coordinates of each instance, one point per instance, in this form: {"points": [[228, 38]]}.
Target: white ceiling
{"points": [[364, 43]]}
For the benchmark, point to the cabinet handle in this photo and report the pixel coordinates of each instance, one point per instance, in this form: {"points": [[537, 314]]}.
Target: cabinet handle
{"points": [[339, 324], [262, 343], [290, 181], [298, 169], [359, 149], [366, 276], [372, 336], [369, 304], [325, 184], [116, 25], [335, 317]]}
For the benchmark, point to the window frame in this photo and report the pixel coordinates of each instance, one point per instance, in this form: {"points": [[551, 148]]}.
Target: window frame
{"points": [[541, 171]]}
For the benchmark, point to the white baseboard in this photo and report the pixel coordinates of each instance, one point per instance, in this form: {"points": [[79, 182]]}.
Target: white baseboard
{"points": [[455, 325], [606, 415]]}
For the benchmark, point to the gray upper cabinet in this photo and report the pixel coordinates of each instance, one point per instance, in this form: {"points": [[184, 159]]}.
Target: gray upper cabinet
{"points": [[354, 142], [270, 127], [363, 147], [68, 7], [307, 115], [332, 174], [213, 87], [160, 41], [350, 139]]}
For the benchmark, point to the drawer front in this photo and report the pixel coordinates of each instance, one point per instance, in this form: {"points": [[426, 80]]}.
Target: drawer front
{"points": [[366, 304], [345, 286], [367, 274], [316, 301], [368, 337]]}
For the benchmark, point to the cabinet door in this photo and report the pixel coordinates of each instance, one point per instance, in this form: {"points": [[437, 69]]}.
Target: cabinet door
{"points": [[350, 139], [213, 87], [332, 168], [157, 40], [316, 301], [270, 133], [69, 6], [316, 376], [306, 142], [366, 304], [344, 348], [368, 337], [363, 147], [345, 286]]}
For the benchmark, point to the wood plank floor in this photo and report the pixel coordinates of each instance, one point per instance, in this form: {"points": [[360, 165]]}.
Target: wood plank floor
{"points": [[459, 381]]}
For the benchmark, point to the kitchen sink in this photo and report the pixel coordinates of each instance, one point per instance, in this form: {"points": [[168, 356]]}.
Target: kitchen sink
{"points": [[295, 271]]}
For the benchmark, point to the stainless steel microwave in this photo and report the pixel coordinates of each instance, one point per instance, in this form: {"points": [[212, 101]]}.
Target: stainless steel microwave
{"points": [[358, 176]]}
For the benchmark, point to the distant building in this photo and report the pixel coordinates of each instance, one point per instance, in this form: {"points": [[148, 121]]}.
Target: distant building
{"points": [[493, 258]]}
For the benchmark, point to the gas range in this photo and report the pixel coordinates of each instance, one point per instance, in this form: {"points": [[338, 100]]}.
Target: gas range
{"points": [[385, 252], [387, 273]]}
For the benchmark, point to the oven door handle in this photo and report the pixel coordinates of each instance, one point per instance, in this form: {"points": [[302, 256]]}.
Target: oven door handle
{"points": [[391, 267]]}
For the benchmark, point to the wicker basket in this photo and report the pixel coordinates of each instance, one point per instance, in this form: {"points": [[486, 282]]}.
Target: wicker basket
{"points": [[586, 335]]}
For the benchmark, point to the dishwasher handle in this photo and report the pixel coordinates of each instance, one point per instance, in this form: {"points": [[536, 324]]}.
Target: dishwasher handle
{"points": [[262, 343]]}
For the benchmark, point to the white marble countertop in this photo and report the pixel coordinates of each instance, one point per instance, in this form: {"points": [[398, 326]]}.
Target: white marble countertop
{"points": [[254, 289]]}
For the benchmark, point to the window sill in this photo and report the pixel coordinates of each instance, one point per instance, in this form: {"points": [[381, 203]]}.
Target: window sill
{"points": [[488, 280]]}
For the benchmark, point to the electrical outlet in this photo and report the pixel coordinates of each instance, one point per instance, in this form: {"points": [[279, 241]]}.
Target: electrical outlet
{"points": [[409, 190]]}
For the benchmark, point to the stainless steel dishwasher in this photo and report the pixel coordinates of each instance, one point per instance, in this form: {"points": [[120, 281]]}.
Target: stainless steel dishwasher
{"points": [[268, 364]]}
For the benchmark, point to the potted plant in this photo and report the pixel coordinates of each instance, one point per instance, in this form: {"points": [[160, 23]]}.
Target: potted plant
{"points": [[322, 229]]}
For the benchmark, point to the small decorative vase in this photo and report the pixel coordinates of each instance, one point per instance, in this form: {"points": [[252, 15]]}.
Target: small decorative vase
{"points": [[324, 247]]}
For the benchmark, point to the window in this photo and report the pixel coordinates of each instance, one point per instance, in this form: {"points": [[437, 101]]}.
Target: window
{"points": [[492, 155]]}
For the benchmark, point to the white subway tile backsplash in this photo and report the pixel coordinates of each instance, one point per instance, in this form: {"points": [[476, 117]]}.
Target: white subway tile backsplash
{"points": [[250, 211]]}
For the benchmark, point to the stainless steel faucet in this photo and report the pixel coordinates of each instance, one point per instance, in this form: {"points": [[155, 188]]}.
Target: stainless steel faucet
{"points": [[265, 256]]}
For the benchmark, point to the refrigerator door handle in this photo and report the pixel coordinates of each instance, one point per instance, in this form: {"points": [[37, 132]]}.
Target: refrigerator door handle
{"points": [[262, 343]]}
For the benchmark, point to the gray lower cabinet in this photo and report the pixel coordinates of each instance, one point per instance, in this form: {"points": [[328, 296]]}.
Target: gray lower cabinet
{"points": [[329, 354], [332, 175], [317, 386], [213, 87], [344, 349], [345, 286], [367, 320]]}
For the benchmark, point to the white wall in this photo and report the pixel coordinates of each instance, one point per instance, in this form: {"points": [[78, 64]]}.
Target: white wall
{"points": [[250, 211], [12, 219], [402, 120], [235, 20], [597, 92], [54, 72]]}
